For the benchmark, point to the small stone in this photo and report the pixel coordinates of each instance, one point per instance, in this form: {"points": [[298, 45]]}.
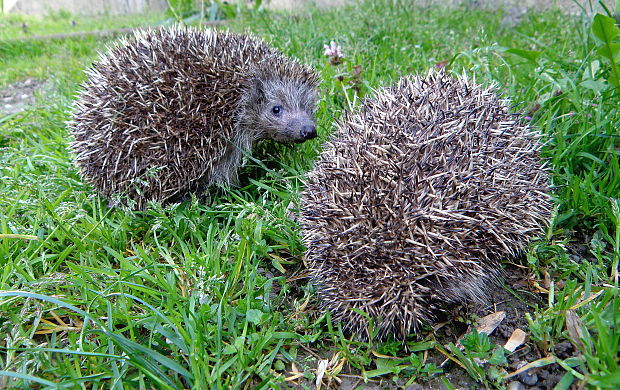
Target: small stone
{"points": [[528, 378], [515, 385]]}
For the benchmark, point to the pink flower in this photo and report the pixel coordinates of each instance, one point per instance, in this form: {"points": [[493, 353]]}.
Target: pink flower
{"points": [[334, 52]]}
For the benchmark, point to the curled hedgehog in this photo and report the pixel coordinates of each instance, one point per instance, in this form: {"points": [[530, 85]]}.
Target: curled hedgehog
{"points": [[414, 200], [172, 111]]}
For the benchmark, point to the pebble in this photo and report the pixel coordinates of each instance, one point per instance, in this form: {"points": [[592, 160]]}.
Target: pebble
{"points": [[515, 385], [528, 378]]}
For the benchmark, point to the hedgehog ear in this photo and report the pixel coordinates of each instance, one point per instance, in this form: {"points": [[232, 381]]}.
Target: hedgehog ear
{"points": [[257, 90]]}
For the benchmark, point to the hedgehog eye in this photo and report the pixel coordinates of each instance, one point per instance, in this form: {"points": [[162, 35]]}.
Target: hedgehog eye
{"points": [[277, 110]]}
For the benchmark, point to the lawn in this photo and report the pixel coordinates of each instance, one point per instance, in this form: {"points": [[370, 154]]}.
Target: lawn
{"points": [[213, 294]]}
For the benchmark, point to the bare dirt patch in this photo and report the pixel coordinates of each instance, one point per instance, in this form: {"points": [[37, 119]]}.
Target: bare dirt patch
{"points": [[516, 298], [18, 96]]}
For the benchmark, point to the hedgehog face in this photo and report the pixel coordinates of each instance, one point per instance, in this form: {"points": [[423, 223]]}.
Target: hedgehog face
{"points": [[284, 111]]}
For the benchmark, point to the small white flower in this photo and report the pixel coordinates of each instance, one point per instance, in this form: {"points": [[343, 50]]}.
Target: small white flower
{"points": [[334, 52]]}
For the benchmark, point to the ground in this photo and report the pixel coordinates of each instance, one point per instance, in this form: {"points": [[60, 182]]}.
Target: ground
{"points": [[16, 97], [515, 298], [58, 240]]}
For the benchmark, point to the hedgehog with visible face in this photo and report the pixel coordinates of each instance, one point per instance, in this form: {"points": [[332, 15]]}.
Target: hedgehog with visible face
{"points": [[172, 111], [416, 198]]}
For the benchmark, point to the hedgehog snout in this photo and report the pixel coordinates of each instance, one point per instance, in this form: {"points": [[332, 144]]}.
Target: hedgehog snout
{"points": [[308, 131], [302, 130]]}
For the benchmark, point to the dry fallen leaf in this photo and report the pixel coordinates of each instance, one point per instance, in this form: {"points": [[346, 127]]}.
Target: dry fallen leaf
{"points": [[547, 279], [336, 365], [573, 326], [383, 356], [516, 340], [296, 374], [320, 371], [46, 326], [488, 324], [537, 287]]}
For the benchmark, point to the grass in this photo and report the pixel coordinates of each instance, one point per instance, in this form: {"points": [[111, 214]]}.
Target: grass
{"points": [[56, 59], [201, 295]]}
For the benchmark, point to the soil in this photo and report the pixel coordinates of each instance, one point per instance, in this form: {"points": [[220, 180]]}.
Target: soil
{"points": [[516, 298], [16, 97]]}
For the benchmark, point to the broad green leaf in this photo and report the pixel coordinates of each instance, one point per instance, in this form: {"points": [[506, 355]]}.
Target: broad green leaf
{"points": [[421, 346], [498, 357], [612, 51], [384, 366], [254, 316], [604, 28], [594, 85], [530, 55], [279, 365]]}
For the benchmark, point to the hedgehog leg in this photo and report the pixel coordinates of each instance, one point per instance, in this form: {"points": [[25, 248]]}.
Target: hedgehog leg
{"points": [[223, 171]]}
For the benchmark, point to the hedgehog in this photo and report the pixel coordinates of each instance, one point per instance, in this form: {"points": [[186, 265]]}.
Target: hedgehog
{"points": [[415, 199], [172, 111]]}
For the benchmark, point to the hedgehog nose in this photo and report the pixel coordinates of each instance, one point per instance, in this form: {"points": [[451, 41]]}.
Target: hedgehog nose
{"points": [[308, 131]]}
